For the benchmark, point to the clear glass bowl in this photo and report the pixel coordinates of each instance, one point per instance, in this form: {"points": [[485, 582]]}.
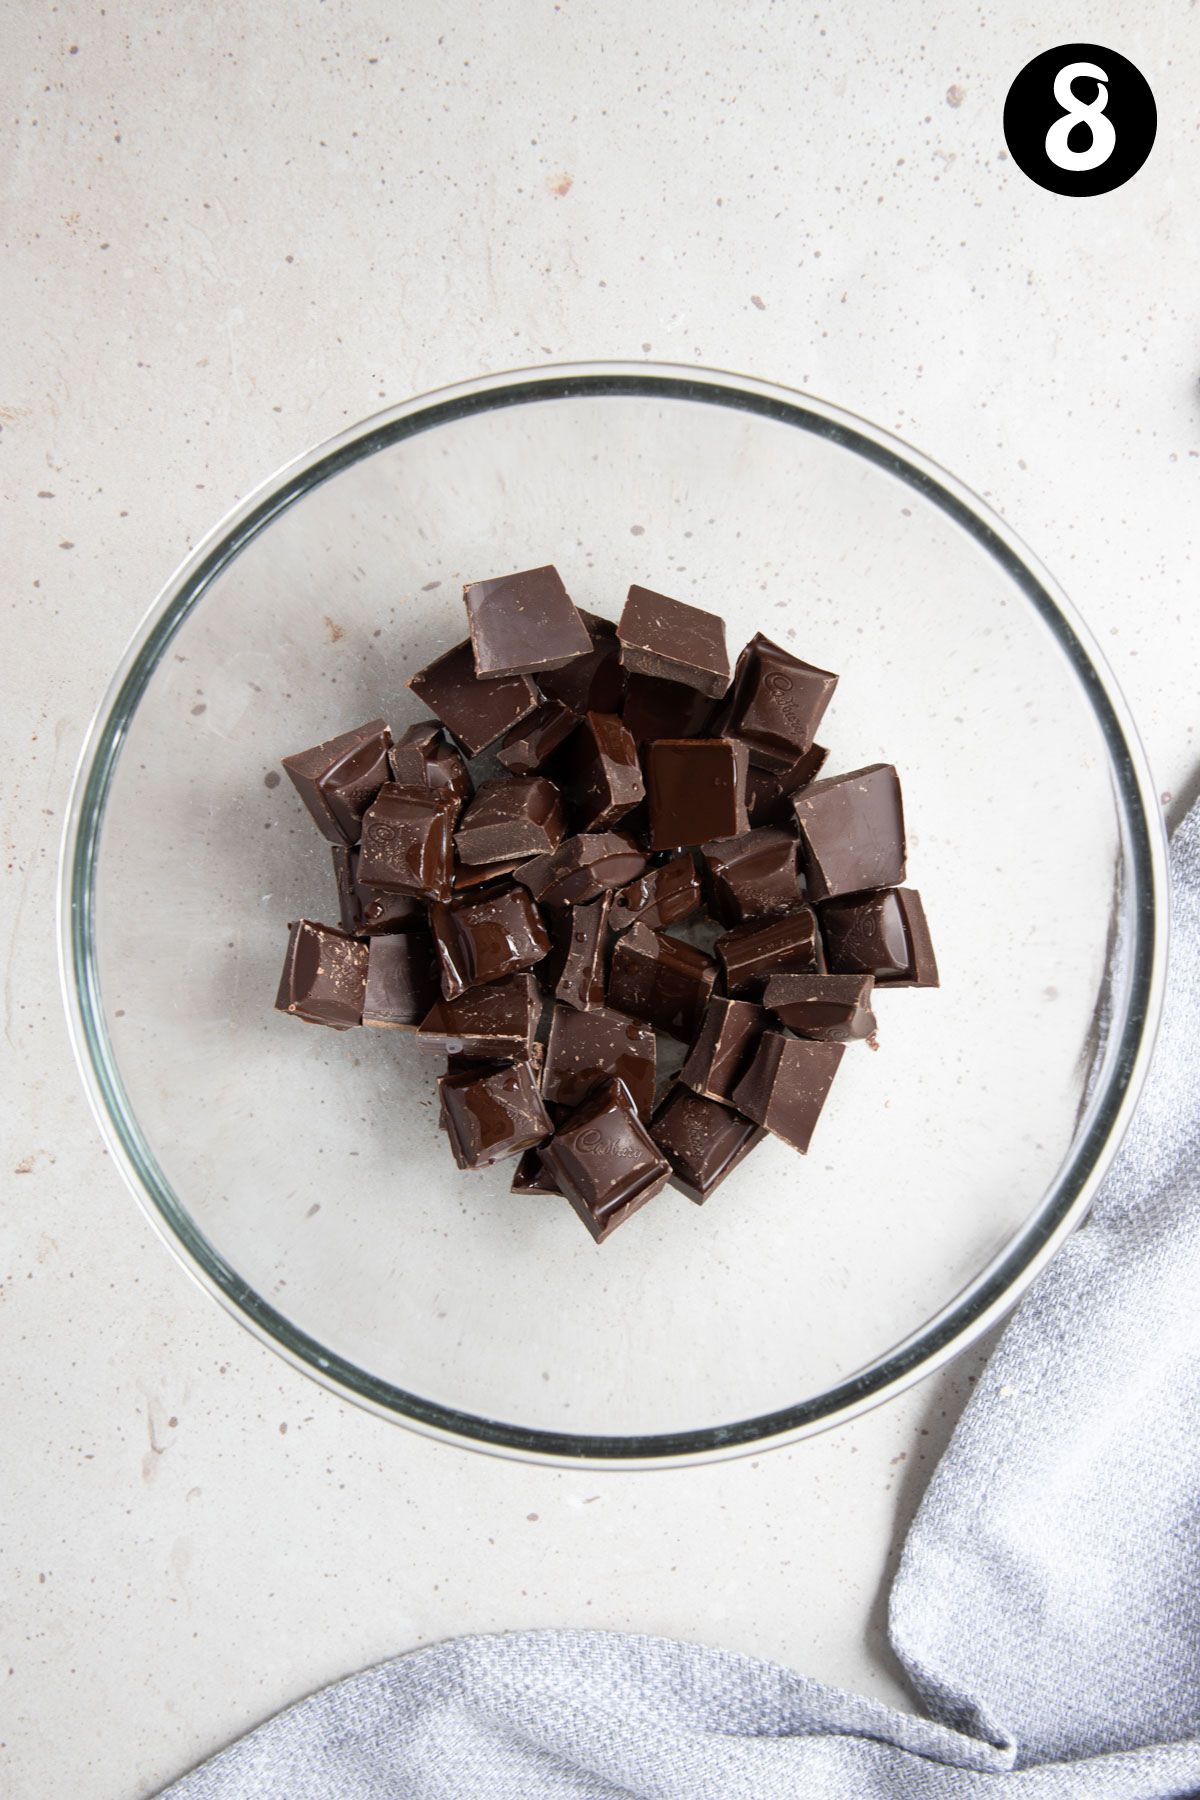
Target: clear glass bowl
{"points": [[299, 1174]]}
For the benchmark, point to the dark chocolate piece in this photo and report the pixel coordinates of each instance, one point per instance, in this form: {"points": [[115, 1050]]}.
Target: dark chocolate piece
{"points": [[660, 979], [605, 1161], [529, 746], [751, 953], [884, 935], [582, 868], [408, 842], [786, 1086], [585, 1049], [496, 1023], [574, 969], [591, 683], [366, 912], [672, 641], [425, 757], [510, 819], [663, 709], [777, 703], [852, 832], [475, 711], [769, 791], [531, 1176], [836, 1008], [324, 976], [485, 876], [605, 776], [702, 1140], [524, 623], [697, 790], [492, 1113], [722, 1048], [338, 780], [662, 896], [485, 940], [402, 981], [754, 876]]}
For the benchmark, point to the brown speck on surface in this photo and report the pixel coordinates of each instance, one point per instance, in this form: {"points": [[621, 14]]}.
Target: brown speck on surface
{"points": [[24, 1167], [66, 544], [532, 1517], [201, 706], [758, 301], [313, 1209], [637, 531], [873, 1042], [429, 586], [271, 778], [560, 185], [335, 630], [955, 95], [283, 1428], [45, 494], [72, 49]]}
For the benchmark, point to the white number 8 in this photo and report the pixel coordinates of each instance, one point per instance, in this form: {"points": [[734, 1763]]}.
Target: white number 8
{"points": [[1079, 112]]}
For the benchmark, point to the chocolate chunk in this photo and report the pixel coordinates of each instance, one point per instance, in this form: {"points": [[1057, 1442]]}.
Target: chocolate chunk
{"points": [[605, 1161], [475, 711], [529, 746], [777, 703], [834, 1007], [402, 981], [497, 1022], [884, 935], [366, 912], [852, 832], [769, 791], [697, 790], [425, 757], [485, 940], [492, 1113], [662, 896], [585, 1049], [531, 1175], [672, 641], [591, 683], [574, 969], [754, 876], [702, 1140], [582, 868], [660, 979], [786, 1086], [408, 842], [524, 623], [486, 877], [338, 780], [510, 820], [663, 709], [324, 976], [722, 1048], [751, 953], [604, 776]]}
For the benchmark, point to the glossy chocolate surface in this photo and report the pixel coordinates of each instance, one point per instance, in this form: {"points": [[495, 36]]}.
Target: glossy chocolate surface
{"points": [[852, 832], [531, 1176], [722, 1048], [364, 911], [786, 1086], [586, 1049], [663, 896], [777, 703], [425, 757], [660, 979], [482, 941], [402, 981], [670, 640], [496, 1023], [531, 745], [591, 683], [702, 1140], [521, 624], [324, 976], [605, 1161], [753, 876], [834, 1007], [582, 868], [338, 779], [751, 953], [491, 1114], [575, 970], [884, 935], [510, 819], [697, 790], [408, 842], [604, 775], [476, 712]]}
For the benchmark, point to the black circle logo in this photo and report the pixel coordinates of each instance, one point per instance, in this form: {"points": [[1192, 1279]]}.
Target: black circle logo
{"points": [[1080, 119]]}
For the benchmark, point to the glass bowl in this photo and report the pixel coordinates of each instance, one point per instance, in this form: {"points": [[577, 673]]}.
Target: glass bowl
{"points": [[300, 1175]]}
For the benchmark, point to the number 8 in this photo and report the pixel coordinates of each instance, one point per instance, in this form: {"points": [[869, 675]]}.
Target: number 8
{"points": [[1077, 111]]}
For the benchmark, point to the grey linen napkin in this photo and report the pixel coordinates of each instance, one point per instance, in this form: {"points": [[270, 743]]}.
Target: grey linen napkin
{"points": [[1046, 1610]]}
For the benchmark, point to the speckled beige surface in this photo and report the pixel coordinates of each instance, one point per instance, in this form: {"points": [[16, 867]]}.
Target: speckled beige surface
{"points": [[223, 240]]}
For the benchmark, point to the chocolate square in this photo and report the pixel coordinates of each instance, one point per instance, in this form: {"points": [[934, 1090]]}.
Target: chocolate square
{"points": [[786, 1086], [604, 775], [672, 641], [408, 842], [605, 1161], [777, 703], [425, 757], [884, 935], [364, 911], [324, 976], [587, 1048], [833, 1007], [660, 979], [510, 819], [402, 981], [852, 832], [753, 876], [574, 971], [751, 953], [493, 1113], [482, 941], [697, 790], [702, 1140], [663, 896], [722, 1048], [475, 711], [338, 779], [521, 624], [496, 1023]]}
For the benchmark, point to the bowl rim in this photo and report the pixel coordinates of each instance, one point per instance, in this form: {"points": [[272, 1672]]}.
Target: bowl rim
{"points": [[994, 1289]]}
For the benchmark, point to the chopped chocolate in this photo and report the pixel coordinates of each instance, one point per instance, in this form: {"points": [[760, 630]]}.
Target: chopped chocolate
{"points": [[585, 1049], [531, 1175], [324, 976], [474, 711], [485, 940], [852, 832], [591, 683], [786, 1086], [338, 780], [754, 876], [496, 1023], [672, 641], [402, 981], [722, 1048], [605, 776], [524, 623], [510, 819], [751, 953], [884, 935], [833, 1007], [702, 1140], [777, 703], [529, 746], [485, 876], [366, 912], [408, 842], [697, 790], [663, 709], [769, 791], [574, 969], [492, 1113], [425, 757], [660, 979], [662, 896], [582, 868], [605, 1161]]}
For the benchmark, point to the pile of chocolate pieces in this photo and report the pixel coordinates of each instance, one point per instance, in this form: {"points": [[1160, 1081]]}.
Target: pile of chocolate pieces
{"points": [[633, 782]]}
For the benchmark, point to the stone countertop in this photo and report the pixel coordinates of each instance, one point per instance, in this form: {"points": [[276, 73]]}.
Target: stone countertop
{"points": [[226, 235]]}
